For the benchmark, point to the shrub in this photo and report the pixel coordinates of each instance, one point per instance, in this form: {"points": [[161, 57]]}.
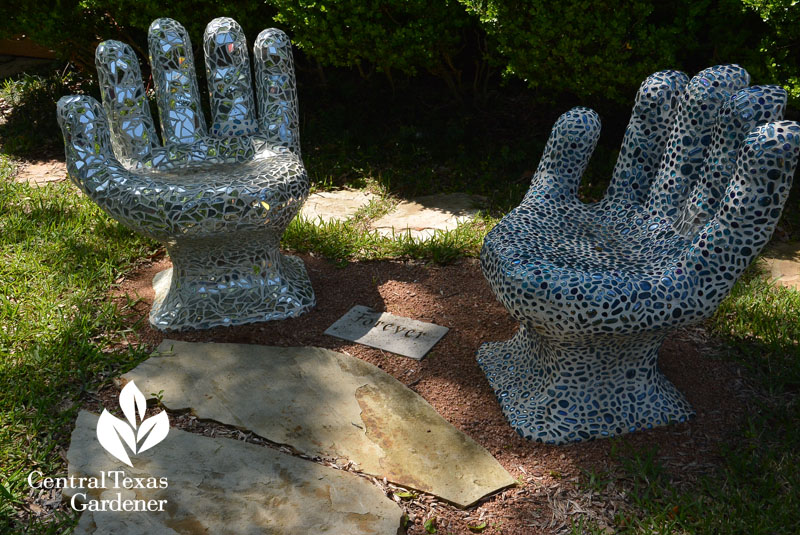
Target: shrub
{"points": [[73, 28], [605, 49], [573, 50], [400, 35], [396, 35], [30, 122], [780, 46]]}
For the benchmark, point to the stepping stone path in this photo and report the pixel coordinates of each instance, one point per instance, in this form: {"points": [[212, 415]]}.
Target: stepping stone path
{"points": [[219, 485], [335, 205], [781, 262], [423, 216], [420, 217], [326, 404], [41, 172]]}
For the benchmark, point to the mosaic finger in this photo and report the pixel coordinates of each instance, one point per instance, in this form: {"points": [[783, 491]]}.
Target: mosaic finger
{"points": [[749, 211], [133, 133], [87, 141], [567, 153], [656, 104], [175, 82], [739, 115], [683, 162], [278, 116], [229, 79]]}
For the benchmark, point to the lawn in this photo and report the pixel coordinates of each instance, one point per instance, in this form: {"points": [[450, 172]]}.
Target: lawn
{"points": [[60, 256]]}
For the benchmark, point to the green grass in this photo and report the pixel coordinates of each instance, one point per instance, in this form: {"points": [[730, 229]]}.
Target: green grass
{"points": [[761, 322], [60, 257], [757, 489], [346, 241], [755, 492], [343, 241]]}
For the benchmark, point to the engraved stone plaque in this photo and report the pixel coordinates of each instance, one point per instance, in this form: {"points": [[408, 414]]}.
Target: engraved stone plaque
{"points": [[404, 336]]}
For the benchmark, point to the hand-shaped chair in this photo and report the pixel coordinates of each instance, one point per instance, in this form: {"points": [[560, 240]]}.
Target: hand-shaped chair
{"points": [[219, 197], [698, 188]]}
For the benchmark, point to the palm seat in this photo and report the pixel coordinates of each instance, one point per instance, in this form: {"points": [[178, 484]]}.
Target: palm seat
{"points": [[218, 197], [704, 170]]}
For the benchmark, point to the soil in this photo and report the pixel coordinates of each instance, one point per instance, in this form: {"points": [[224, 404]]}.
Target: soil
{"points": [[552, 491]]}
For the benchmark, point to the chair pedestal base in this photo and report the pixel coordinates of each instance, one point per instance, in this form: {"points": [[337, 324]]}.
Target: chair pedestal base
{"points": [[231, 281], [559, 391]]}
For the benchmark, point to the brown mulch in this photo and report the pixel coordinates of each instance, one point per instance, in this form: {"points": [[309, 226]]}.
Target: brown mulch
{"points": [[551, 495]]}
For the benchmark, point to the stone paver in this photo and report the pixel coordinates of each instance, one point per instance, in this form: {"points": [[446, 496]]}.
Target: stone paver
{"points": [[220, 485], [781, 261], [421, 217], [335, 205], [41, 172], [325, 403]]}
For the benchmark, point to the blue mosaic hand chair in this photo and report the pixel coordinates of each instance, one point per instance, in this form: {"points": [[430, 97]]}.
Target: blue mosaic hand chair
{"points": [[218, 197], [704, 170]]}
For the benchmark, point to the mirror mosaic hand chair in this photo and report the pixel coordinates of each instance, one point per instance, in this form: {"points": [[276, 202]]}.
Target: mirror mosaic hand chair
{"points": [[702, 176], [218, 197]]}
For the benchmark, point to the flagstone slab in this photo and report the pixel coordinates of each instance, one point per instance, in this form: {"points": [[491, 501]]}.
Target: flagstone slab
{"points": [[782, 263], [41, 172], [423, 216], [327, 404], [336, 205], [220, 485]]}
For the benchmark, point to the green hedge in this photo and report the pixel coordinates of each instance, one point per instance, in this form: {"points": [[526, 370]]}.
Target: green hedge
{"points": [[605, 49], [405, 36], [593, 51], [780, 44], [73, 28]]}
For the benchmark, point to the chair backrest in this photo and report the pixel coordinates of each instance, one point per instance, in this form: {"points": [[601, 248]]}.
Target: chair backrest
{"points": [[237, 130]]}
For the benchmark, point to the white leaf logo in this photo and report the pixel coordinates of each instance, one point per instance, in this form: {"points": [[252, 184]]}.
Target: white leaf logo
{"points": [[114, 434]]}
